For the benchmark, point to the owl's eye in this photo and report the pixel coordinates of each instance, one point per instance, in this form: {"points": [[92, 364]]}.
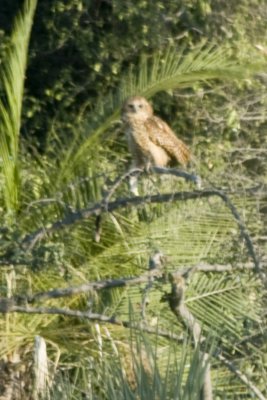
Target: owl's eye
{"points": [[131, 106], [140, 105]]}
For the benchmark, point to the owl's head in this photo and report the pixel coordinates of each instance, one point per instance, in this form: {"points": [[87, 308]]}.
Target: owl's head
{"points": [[136, 107]]}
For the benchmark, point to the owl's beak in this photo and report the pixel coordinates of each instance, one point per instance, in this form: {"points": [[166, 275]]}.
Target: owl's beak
{"points": [[134, 109]]}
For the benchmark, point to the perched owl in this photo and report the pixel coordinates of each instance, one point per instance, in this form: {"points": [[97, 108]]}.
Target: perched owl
{"points": [[150, 140]]}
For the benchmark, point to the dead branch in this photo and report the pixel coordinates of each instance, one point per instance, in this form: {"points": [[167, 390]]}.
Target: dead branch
{"points": [[241, 376], [11, 307], [105, 205], [97, 209], [176, 301], [243, 231], [146, 277], [178, 307]]}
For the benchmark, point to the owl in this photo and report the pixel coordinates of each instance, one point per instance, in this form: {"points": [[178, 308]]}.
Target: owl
{"points": [[150, 140]]}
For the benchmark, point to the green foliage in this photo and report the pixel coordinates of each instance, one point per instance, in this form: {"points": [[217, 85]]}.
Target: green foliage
{"points": [[81, 49], [83, 63], [136, 374], [12, 82]]}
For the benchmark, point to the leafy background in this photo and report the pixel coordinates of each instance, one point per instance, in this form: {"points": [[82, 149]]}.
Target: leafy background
{"points": [[201, 66]]}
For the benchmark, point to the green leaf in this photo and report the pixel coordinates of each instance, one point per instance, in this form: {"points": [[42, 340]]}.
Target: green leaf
{"points": [[12, 81]]}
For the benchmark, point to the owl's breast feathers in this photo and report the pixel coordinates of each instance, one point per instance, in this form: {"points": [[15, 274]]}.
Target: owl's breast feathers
{"points": [[152, 139]]}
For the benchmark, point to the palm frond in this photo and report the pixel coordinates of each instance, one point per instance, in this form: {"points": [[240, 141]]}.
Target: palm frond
{"points": [[12, 82]]}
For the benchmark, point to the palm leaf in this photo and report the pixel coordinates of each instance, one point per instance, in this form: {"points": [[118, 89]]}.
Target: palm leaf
{"points": [[12, 82]]}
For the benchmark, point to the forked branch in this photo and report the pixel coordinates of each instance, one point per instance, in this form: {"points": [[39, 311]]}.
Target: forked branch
{"points": [[108, 205]]}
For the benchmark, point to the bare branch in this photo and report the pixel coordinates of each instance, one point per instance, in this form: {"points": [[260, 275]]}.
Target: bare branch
{"points": [[95, 286], [99, 208], [243, 231], [176, 302], [119, 181], [122, 282], [156, 263], [10, 307], [105, 205], [178, 307], [126, 282], [97, 233], [30, 240], [241, 376]]}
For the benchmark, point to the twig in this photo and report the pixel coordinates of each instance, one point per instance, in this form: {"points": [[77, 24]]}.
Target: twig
{"points": [[115, 185], [97, 233], [241, 376], [243, 231], [155, 263]]}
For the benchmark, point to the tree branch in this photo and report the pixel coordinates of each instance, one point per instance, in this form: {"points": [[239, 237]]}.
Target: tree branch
{"points": [[178, 307], [241, 376], [97, 209], [124, 282], [9, 307], [13, 305]]}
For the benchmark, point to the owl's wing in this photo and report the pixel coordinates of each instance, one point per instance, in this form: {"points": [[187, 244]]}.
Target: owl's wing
{"points": [[161, 134]]}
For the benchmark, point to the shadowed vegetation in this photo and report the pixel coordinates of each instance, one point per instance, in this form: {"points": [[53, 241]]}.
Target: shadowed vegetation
{"points": [[61, 148]]}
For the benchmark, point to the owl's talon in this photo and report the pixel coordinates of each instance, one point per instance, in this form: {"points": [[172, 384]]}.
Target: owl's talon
{"points": [[133, 185], [198, 182]]}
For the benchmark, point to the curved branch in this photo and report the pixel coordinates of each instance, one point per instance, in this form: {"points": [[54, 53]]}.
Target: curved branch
{"points": [[104, 206]]}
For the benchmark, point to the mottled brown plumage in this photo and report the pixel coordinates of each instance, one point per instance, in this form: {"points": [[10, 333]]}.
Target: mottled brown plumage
{"points": [[150, 140]]}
